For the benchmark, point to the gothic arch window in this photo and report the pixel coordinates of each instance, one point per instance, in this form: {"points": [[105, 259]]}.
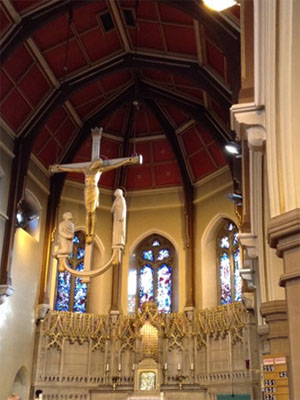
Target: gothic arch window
{"points": [[152, 276], [71, 293], [229, 263]]}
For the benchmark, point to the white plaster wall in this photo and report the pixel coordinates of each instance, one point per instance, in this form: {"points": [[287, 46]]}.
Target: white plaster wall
{"points": [[17, 314]]}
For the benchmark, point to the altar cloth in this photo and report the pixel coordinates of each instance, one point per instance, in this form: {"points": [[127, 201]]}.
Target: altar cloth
{"points": [[145, 397]]}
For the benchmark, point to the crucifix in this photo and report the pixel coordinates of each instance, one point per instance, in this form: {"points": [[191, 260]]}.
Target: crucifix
{"points": [[92, 171]]}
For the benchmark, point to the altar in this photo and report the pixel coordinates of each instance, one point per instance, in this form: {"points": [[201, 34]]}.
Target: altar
{"points": [[144, 397]]}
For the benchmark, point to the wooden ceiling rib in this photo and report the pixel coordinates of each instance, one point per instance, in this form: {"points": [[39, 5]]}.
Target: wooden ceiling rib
{"points": [[185, 75]]}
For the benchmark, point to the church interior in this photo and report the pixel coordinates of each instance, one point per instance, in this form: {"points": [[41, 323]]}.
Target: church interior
{"points": [[149, 200]]}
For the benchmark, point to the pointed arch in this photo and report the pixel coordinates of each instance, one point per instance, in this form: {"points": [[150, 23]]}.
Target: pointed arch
{"points": [[153, 273], [209, 276]]}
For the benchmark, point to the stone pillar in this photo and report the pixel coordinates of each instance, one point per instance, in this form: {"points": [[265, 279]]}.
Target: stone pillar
{"points": [[248, 122], [275, 313], [284, 235]]}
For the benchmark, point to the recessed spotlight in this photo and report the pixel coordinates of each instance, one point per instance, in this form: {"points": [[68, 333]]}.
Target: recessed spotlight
{"points": [[235, 198], [233, 148], [219, 5]]}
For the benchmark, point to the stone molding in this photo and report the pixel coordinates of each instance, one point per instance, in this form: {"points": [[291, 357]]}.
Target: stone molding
{"points": [[248, 121], [284, 231], [250, 245], [275, 313], [273, 307], [288, 277]]}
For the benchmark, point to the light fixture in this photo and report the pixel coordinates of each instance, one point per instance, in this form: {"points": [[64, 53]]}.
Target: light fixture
{"points": [[233, 148], [20, 218], [235, 198], [219, 5], [25, 217]]}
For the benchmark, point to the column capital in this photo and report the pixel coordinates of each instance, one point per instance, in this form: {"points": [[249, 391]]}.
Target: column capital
{"points": [[248, 121], [284, 231], [289, 277], [249, 243], [275, 307]]}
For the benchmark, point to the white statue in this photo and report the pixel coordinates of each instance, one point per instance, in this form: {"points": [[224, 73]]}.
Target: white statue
{"points": [[118, 210], [92, 171], [65, 235]]}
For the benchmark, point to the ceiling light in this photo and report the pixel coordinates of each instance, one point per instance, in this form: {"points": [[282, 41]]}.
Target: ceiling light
{"points": [[233, 148], [219, 5], [20, 218], [235, 198]]}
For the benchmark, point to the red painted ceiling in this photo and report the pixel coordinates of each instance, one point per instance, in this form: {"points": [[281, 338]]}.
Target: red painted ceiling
{"points": [[69, 74]]}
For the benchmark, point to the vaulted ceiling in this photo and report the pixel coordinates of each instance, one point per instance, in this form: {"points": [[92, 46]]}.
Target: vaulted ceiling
{"points": [[71, 65]]}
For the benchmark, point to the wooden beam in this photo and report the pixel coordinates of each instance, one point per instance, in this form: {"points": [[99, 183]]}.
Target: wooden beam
{"points": [[191, 69], [56, 187], [196, 110], [172, 139], [71, 85], [94, 120], [226, 36], [188, 213], [126, 144], [16, 194], [34, 20]]}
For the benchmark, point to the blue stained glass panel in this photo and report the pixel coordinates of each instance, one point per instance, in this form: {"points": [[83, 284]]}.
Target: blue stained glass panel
{"points": [[237, 276], [225, 279], [80, 292], [80, 253], [235, 239], [146, 284], [76, 239], [230, 226], [148, 255], [163, 253], [63, 291], [224, 243], [164, 289], [156, 243]]}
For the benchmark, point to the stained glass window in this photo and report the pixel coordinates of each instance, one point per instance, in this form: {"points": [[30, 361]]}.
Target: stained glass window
{"points": [[164, 253], [71, 292], [132, 278], [151, 279], [229, 263], [164, 288], [146, 284], [148, 255]]}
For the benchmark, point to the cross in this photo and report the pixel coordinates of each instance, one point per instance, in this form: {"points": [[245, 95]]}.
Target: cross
{"points": [[92, 171]]}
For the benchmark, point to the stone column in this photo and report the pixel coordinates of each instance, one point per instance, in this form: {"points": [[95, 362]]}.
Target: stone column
{"points": [[284, 235], [275, 313], [248, 122]]}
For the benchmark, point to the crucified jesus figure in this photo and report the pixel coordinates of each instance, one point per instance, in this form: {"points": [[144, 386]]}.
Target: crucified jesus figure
{"points": [[92, 171]]}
